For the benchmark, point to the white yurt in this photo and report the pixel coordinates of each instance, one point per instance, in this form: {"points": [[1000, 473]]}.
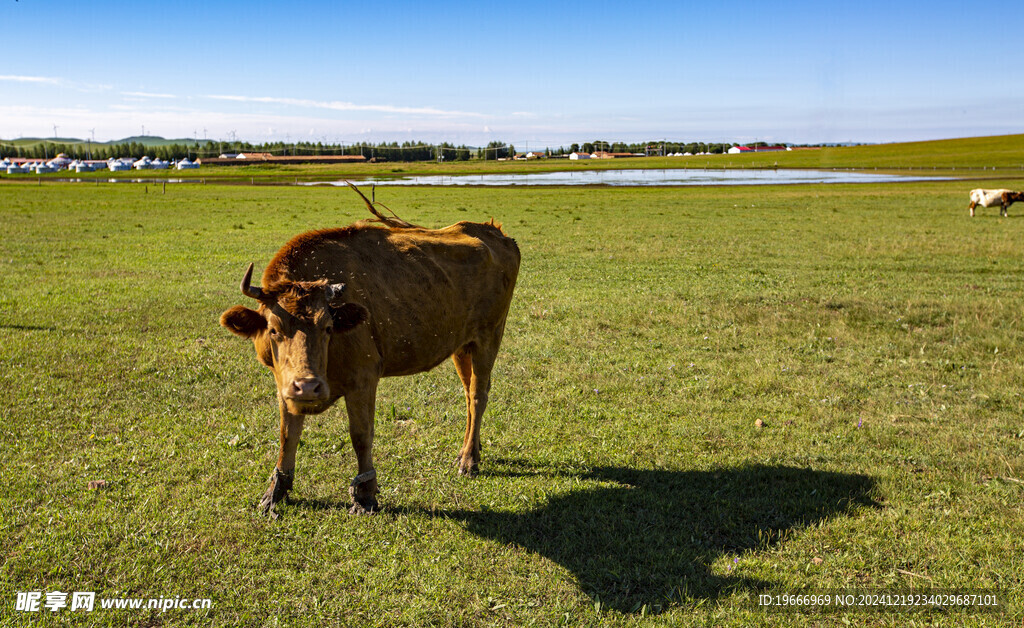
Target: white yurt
{"points": [[60, 161]]}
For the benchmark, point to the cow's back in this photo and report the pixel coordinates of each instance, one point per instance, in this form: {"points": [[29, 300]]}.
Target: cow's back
{"points": [[428, 291], [987, 198]]}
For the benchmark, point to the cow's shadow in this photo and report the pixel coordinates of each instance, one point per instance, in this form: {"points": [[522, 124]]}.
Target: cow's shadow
{"points": [[650, 537]]}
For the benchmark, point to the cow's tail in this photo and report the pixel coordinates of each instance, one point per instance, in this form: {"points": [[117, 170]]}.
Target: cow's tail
{"points": [[392, 221]]}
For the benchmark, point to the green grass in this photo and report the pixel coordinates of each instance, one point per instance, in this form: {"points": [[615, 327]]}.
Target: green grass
{"points": [[874, 330], [993, 152]]}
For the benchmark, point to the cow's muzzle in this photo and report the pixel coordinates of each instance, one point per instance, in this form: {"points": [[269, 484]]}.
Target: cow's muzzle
{"points": [[307, 395], [307, 389]]}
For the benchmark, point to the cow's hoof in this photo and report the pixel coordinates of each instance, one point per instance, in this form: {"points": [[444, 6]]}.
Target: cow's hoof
{"points": [[466, 466], [267, 509], [365, 507], [362, 504], [280, 484]]}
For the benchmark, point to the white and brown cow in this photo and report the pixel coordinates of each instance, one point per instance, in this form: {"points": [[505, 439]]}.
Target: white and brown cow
{"points": [[991, 198], [341, 308]]}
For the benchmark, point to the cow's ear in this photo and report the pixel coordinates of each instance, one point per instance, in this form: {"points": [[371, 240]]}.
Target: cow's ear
{"points": [[348, 315], [243, 321]]}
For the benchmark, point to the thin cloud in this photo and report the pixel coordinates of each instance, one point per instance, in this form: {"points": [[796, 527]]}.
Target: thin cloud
{"points": [[30, 79], [335, 105], [147, 95], [55, 81]]}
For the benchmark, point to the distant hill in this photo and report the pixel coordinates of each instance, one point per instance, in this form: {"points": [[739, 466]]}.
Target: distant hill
{"points": [[145, 140], [29, 141], [32, 141], [155, 140]]}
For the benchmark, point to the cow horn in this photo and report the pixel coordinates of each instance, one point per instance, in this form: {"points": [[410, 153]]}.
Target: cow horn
{"points": [[248, 290]]}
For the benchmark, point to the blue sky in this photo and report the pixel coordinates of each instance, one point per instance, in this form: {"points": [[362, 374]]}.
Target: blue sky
{"points": [[531, 73]]}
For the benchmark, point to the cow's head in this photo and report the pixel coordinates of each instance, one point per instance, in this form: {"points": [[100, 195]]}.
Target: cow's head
{"points": [[292, 331]]}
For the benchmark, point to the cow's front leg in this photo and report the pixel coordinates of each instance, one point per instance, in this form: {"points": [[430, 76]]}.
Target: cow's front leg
{"points": [[360, 405], [284, 473]]}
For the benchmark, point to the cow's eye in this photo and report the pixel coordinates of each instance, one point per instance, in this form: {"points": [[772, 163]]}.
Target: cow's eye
{"points": [[274, 333], [329, 330]]}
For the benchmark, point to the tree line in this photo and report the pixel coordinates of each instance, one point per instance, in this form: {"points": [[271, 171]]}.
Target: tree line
{"points": [[384, 151]]}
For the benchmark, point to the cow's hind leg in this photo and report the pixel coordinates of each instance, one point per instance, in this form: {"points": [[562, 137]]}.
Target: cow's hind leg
{"points": [[479, 357], [463, 359]]}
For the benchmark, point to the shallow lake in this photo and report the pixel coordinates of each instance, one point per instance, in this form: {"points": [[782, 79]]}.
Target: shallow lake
{"points": [[667, 177]]}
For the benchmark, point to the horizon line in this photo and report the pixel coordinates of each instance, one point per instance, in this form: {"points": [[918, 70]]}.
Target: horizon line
{"points": [[57, 140]]}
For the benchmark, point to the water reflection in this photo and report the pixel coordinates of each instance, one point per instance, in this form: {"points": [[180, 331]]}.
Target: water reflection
{"points": [[620, 178], [667, 177], [118, 180]]}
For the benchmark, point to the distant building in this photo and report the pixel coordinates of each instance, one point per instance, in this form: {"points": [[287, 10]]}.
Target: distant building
{"points": [[576, 156], [282, 159], [603, 154], [736, 150], [59, 162]]}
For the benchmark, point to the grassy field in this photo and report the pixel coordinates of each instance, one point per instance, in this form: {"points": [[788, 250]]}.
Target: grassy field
{"points": [[1003, 152], [704, 394]]}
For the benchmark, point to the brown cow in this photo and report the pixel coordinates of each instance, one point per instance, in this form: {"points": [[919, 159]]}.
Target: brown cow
{"points": [[342, 308]]}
